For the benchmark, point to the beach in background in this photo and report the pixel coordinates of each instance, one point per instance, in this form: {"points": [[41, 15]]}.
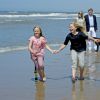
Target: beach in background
{"points": [[16, 68]]}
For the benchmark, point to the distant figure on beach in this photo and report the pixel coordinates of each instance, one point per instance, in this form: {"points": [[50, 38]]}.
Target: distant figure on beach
{"points": [[37, 45], [91, 28], [80, 20], [78, 48]]}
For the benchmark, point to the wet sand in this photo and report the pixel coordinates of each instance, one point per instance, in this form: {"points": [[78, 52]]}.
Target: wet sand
{"points": [[17, 80]]}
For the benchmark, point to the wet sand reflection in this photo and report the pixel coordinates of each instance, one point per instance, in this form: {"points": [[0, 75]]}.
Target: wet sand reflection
{"points": [[89, 89], [78, 94], [91, 65], [40, 91]]}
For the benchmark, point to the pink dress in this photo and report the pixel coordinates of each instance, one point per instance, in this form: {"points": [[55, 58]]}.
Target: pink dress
{"points": [[38, 45]]}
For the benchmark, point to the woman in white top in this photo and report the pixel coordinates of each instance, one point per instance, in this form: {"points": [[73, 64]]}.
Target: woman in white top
{"points": [[81, 21]]}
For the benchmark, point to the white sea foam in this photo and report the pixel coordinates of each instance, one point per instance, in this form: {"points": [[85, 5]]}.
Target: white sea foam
{"points": [[37, 15], [16, 15], [33, 15], [13, 12], [61, 18], [9, 49], [10, 20], [98, 15], [19, 48]]}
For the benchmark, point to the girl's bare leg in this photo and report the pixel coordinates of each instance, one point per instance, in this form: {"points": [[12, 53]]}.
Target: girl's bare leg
{"points": [[41, 66], [38, 68]]}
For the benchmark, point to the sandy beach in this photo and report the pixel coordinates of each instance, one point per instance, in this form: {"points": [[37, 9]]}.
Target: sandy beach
{"points": [[17, 80], [17, 21]]}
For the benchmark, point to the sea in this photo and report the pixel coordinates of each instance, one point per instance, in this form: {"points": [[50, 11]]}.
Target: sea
{"points": [[17, 27]]}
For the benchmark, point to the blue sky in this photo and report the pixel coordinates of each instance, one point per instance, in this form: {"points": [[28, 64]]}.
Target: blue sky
{"points": [[49, 5]]}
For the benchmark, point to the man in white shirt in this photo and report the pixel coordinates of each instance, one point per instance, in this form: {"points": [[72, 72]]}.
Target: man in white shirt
{"points": [[91, 27]]}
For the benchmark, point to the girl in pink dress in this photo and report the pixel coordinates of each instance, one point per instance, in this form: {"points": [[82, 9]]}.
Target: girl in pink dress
{"points": [[37, 45]]}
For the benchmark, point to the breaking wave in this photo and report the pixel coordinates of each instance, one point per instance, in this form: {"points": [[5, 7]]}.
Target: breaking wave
{"points": [[19, 48]]}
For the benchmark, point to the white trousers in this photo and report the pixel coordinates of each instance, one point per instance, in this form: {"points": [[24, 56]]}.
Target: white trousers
{"points": [[91, 44], [78, 57]]}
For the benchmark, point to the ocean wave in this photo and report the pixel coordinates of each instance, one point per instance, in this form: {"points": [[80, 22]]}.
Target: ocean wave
{"points": [[32, 15], [28, 17], [20, 48], [97, 15], [9, 49], [17, 20], [12, 12], [13, 20], [15, 15], [61, 18]]}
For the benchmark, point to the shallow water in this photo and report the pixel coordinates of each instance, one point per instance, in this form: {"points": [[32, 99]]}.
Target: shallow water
{"points": [[17, 27], [17, 79], [16, 68]]}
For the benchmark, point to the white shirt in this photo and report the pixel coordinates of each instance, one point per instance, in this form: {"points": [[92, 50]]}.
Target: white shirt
{"points": [[80, 21], [91, 20]]}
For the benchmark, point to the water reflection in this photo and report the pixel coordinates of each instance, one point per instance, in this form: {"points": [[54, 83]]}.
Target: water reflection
{"points": [[40, 91], [78, 93], [74, 92], [91, 65]]}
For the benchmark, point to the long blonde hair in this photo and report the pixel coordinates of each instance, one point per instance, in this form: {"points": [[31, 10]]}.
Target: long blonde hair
{"points": [[79, 27]]}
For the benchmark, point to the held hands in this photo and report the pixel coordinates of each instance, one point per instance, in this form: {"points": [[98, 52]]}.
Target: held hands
{"points": [[55, 51]]}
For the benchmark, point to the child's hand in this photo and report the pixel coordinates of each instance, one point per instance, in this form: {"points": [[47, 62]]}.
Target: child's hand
{"points": [[96, 40], [31, 51], [53, 51], [56, 51]]}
